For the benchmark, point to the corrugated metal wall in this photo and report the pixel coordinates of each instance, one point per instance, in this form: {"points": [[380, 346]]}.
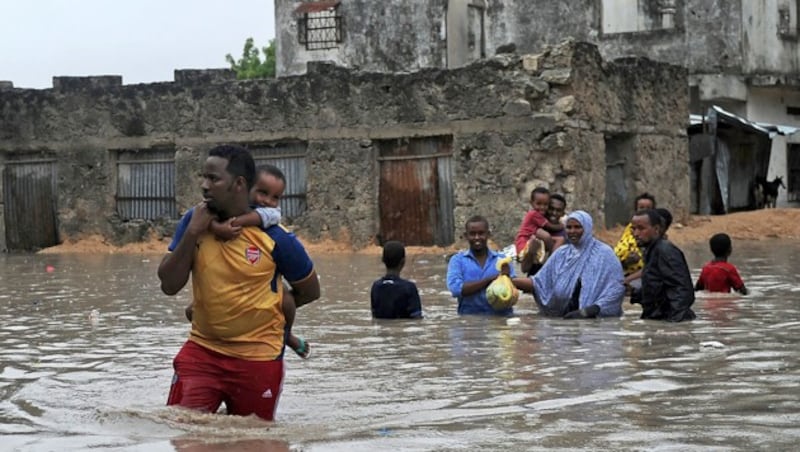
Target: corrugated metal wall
{"points": [[29, 194], [445, 227], [416, 190], [291, 159], [146, 184]]}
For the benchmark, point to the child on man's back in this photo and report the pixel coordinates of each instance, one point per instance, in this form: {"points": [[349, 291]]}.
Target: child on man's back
{"points": [[265, 195], [719, 275], [535, 237], [393, 297]]}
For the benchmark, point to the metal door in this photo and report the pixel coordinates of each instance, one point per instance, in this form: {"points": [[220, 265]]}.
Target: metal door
{"points": [[29, 194], [415, 191]]}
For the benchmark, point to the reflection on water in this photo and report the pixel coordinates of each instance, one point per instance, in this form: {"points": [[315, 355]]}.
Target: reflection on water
{"points": [[86, 350]]}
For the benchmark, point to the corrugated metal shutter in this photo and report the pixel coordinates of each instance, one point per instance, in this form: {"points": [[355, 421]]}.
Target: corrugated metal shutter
{"points": [[445, 227], [146, 184], [29, 194], [416, 190], [291, 159]]}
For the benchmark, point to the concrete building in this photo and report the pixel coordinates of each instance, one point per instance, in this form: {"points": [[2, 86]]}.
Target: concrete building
{"points": [[368, 156], [743, 56]]}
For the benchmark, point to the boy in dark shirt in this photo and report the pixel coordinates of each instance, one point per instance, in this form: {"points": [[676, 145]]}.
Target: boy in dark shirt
{"points": [[393, 297], [718, 275]]}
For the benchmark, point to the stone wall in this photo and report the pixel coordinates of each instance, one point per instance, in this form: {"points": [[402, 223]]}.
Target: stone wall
{"points": [[397, 35], [381, 36], [515, 121]]}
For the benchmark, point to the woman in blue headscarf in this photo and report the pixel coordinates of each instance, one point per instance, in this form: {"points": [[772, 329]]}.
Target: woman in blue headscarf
{"points": [[581, 279]]}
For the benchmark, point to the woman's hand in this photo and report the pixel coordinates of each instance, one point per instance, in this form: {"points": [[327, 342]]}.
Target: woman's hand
{"points": [[585, 313]]}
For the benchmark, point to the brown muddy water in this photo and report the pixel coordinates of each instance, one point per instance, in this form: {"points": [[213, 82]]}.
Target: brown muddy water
{"points": [[86, 350]]}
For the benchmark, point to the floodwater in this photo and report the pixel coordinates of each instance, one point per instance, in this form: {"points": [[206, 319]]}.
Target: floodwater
{"points": [[86, 350]]}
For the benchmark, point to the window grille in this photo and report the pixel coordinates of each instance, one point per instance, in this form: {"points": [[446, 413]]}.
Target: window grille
{"points": [[320, 26], [787, 20]]}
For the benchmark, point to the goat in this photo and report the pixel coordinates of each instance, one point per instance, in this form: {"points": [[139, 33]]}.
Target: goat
{"points": [[767, 192]]}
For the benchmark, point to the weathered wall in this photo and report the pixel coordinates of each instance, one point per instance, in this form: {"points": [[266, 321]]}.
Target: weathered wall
{"points": [[378, 36], [515, 122], [714, 36], [765, 49], [534, 24], [769, 105], [707, 36]]}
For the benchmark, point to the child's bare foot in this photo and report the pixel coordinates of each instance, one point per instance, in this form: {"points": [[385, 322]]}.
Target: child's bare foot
{"points": [[299, 345]]}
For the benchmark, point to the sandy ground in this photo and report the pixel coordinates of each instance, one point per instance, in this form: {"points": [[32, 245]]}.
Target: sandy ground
{"points": [[764, 224]]}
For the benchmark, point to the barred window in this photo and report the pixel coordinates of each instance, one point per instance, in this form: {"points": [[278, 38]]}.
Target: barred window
{"points": [[319, 26], [787, 20], [146, 184]]}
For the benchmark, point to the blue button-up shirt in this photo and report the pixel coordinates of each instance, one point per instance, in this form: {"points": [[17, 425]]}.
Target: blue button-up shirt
{"points": [[464, 268]]}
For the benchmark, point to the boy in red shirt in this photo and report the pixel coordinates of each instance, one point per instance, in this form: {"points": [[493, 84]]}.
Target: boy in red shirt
{"points": [[718, 275], [536, 232]]}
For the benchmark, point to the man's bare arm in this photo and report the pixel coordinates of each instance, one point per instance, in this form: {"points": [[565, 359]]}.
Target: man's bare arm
{"points": [[175, 267], [306, 290], [473, 287]]}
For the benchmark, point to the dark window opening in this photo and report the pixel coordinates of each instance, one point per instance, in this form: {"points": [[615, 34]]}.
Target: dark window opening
{"points": [[793, 172]]}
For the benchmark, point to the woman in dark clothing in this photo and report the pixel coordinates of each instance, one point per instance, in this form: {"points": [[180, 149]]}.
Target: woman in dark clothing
{"points": [[667, 292]]}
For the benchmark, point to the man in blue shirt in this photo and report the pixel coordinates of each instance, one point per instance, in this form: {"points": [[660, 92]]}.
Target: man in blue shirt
{"points": [[470, 272]]}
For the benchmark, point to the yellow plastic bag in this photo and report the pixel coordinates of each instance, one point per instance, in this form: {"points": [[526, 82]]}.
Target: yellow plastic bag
{"points": [[501, 293]]}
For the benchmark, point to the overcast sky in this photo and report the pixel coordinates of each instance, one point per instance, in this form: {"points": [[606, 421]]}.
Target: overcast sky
{"points": [[142, 40]]}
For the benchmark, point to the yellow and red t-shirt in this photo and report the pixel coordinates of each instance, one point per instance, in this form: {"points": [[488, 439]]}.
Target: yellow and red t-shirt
{"points": [[237, 289]]}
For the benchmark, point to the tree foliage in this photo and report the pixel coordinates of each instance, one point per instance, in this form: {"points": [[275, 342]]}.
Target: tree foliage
{"points": [[251, 64]]}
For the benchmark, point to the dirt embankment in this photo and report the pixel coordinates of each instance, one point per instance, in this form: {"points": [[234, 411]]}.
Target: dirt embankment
{"points": [[754, 225], [763, 224]]}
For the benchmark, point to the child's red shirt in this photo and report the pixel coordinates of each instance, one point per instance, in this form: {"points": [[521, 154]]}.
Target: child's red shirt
{"points": [[718, 276], [532, 222]]}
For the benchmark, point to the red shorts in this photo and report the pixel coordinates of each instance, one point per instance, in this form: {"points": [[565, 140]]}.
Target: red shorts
{"points": [[204, 379]]}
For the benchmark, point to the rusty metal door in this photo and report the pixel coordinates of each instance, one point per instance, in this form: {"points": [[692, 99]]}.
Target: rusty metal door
{"points": [[29, 194], [415, 191]]}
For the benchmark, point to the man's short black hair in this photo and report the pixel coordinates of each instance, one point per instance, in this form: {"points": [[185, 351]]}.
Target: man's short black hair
{"points": [[393, 253], [559, 197], [476, 219], [720, 244], [272, 170], [539, 190], [240, 162], [666, 217], [653, 216], [645, 195]]}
